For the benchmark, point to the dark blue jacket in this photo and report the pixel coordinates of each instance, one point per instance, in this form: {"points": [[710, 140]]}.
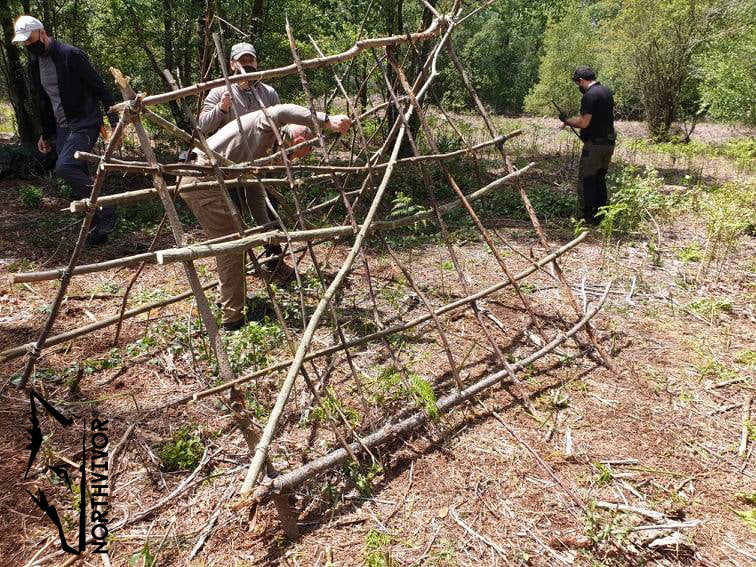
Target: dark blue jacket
{"points": [[80, 88]]}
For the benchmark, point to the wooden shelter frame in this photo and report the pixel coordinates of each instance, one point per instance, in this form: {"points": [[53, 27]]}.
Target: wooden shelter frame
{"points": [[407, 94]]}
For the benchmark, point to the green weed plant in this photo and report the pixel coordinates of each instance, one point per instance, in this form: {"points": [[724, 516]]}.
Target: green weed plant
{"points": [[635, 203], [183, 451], [30, 196]]}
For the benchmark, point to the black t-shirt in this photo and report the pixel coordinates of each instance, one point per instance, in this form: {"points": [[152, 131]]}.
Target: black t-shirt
{"points": [[598, 101]]}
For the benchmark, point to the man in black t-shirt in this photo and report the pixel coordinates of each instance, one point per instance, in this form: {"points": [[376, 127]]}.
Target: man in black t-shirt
{"points": [[596, 123]]}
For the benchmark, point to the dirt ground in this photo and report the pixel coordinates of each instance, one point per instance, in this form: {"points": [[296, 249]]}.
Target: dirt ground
{"points": [[637, 466]]}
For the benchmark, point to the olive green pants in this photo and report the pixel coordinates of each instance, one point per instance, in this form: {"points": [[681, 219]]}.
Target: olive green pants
{"points": [[594, 163]]}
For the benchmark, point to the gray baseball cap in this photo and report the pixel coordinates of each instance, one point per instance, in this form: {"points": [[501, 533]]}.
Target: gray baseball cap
{"points": [[240, 49]]}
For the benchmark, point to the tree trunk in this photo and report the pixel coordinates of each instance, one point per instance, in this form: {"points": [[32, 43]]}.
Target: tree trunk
{"points": [[168, 16], [257, 17], [23, 109]]}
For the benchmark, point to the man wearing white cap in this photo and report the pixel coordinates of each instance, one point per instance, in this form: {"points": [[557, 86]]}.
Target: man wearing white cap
{"points": [[70, 89], [217, 112]]}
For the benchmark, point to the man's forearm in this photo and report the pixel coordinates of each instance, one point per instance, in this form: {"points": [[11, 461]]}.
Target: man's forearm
{"points": [[580, 121], [211, 116], [294, 114]]}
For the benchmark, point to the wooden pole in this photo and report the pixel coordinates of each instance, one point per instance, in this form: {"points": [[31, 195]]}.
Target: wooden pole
{"points": [[528, 206], [67, 274], [434, 28], [203, 306], [264, 238], [205, 250], [297, 477], [286, 387]]}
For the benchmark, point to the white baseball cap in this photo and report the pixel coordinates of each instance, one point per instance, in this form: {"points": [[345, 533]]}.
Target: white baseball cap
{"points": [[24, 27]]}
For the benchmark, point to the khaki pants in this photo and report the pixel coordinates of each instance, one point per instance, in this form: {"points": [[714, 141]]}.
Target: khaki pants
{"points": [[212, 214], [594, 163]]}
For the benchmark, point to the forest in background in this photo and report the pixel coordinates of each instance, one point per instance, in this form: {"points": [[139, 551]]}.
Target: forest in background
{"points": [[667, 61]]}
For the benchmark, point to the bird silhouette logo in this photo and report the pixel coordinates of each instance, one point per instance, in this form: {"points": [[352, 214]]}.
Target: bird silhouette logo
{"points": [[35, 432], [36, 439]]}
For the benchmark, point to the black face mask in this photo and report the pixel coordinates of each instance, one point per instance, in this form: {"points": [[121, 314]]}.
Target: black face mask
{"points": [[247, 69], [37, 48], [581, 88]]}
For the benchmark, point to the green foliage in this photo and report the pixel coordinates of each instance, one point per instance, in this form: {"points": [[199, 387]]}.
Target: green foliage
{"points": [[183, 451], [715, 369], [569, 41], [691, 252], [144, 554], [548, 202], [48, 229], [62, 188], [424, 396], [333, 408], [668, 60], [7, 119], [740, 150], [635, 201], [403, 206], [251, 345], [377, 549], [363, 477], [748, 517], [711, 307], [389, 386], [30, 196], [747, 357], [140, 216], [512, 49], [652, 47], [727, 73], [148, 296], [601, 528], [729, 213], [603, 475]]}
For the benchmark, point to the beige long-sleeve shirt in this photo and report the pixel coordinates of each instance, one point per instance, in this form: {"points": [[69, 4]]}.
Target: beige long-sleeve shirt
{"points": [[255, 127], [212, 117], [228, 142]]}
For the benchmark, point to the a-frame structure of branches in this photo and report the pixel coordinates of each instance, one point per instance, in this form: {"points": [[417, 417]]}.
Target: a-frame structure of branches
{"points": [[307, 371]]}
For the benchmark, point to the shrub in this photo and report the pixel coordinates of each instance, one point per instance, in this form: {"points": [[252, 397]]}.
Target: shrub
{"points": [[31, 196], [183, 451], [635, 201], [729, 212]]}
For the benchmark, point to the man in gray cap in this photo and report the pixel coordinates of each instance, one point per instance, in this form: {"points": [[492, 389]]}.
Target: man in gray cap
{"points": [[217, 112], [210, 209]]}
